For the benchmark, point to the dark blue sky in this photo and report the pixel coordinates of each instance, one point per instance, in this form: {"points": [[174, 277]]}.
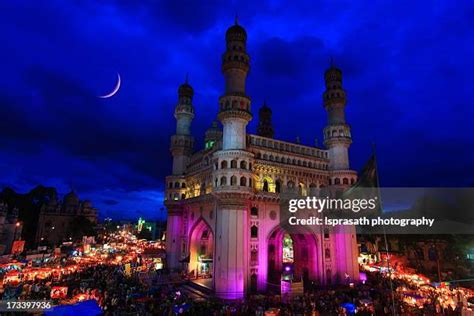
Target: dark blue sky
{"points": [[408, 70]]}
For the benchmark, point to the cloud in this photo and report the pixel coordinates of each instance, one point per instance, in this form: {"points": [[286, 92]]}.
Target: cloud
{"points": [[405, 73]]}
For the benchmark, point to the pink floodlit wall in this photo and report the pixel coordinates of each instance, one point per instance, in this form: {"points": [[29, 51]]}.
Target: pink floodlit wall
{"points": [[173, 242]]}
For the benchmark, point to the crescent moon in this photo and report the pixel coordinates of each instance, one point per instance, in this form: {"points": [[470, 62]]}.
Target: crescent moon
{"points": [[115, 90]]}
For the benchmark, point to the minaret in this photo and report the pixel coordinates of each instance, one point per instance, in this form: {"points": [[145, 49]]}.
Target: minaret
{"points": [[182, 142], [337, 134], [234, 105], [181, 149], [212, 136], [337, 138], [233, 183], [265, 127]]}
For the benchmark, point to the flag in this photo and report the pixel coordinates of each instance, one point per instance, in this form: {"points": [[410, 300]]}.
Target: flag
{"points": [[367, 186], [368, 177]]}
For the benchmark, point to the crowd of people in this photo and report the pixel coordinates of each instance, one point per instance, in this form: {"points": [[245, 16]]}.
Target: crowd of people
{"points": [[119, 280], [119, 294]]}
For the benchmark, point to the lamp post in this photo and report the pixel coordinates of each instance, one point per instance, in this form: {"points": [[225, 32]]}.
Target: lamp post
{"points": [[17, 225]]}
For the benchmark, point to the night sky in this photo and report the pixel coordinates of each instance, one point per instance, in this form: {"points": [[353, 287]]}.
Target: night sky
{"points": [[408, 72]]}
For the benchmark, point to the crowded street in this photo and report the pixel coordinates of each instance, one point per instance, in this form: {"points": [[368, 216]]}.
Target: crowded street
{"points": [[123, 275]]}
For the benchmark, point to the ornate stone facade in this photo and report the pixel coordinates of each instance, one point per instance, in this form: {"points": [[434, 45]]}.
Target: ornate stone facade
{"points": [[224, 201]]}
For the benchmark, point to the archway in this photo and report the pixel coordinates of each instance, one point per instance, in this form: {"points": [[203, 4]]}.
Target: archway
{"points": [[201, 248], [292, 256], [267, 184]]}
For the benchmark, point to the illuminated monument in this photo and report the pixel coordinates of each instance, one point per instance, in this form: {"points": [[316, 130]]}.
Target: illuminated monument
{"points": [[224, 201]]}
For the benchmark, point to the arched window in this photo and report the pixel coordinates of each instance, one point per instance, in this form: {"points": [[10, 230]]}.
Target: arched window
{"points": [[327, 253], [223, 181], [243, 181], [277, 186], [254, 255], [215, 182], [290, 184], [337, 181], [170, 185], [224, 164], [265, 186], [233, 180], [176, 185], [254, 232], [243, 164], [233, 164], [183, 185], [345, 181], [254, 211]]}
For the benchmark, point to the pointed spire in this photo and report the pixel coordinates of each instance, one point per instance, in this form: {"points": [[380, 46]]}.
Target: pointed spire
{"points": [[265, 127], [185, 88]]}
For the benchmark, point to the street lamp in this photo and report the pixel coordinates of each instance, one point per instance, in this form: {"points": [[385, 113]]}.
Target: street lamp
{"points": [[17, 224]]}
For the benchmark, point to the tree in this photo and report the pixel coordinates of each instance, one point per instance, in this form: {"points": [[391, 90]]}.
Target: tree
{"points": [[80, 226]]}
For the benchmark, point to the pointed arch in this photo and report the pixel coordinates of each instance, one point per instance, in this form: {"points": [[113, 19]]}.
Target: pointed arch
{"points": [[200, 244]]}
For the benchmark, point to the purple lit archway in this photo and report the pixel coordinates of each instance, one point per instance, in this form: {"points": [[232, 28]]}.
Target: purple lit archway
{"points": [[304, 266], [201, 248]]}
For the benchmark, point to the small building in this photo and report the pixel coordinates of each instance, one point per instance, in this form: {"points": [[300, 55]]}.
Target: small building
{"points": [[56, 218], [10, 228]]}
